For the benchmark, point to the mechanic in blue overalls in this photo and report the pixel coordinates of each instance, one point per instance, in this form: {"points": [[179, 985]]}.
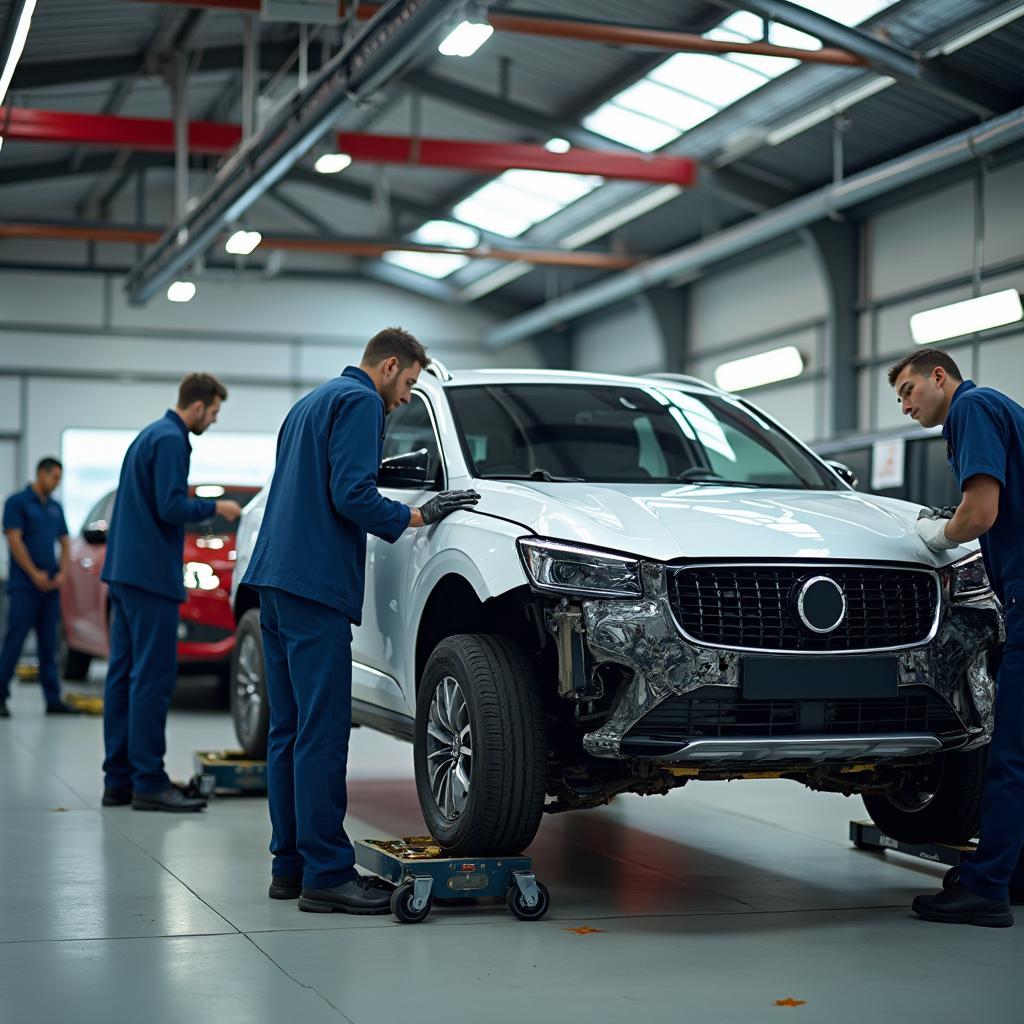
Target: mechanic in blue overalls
{"points": [[143, 566], [308, 565], [984, 432], [34, 526]]}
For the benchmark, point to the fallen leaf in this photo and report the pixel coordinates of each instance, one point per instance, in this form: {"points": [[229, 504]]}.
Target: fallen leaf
{"points": [[58, 810], [790, 1002], [585, 930]]}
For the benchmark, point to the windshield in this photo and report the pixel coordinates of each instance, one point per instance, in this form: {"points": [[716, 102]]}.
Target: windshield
{"points": [[608, 434], [218, 524]]}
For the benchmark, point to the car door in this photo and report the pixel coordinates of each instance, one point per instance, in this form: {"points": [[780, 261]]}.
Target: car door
{"points": [[378, 645], [85, 610]]}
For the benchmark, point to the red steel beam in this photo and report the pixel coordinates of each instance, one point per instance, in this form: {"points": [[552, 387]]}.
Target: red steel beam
{"points": [[590, 32], [212, 138], [369, 248]]}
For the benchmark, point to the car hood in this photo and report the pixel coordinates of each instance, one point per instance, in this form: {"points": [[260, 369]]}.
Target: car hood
{"points": [[666, 522]]}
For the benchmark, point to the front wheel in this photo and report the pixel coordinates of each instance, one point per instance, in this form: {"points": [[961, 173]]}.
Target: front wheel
{"points": [[73, 665], [937, 803], [250, 708], [480, 750]]}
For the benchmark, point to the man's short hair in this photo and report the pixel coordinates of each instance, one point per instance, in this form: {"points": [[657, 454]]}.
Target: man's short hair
{"points": [[394, 341], [923, 362], [200, 387], [45, 465]]}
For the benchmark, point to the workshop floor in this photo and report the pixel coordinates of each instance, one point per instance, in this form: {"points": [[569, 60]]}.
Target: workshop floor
{"points": [[707, 905]]}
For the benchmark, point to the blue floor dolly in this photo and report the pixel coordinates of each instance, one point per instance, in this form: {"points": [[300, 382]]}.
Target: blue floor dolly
{"points": [[866, 835], [421, 873]]}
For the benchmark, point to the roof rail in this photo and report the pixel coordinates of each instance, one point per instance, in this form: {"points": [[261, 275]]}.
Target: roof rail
{"points": [[439, 370], [679, 378]]}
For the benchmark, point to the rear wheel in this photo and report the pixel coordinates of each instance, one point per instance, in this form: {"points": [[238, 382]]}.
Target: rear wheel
{"points": [[480, 751], [939, 803], [73, 665], [249, 706]]}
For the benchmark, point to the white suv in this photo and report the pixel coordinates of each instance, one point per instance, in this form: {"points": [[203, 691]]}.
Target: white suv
{"points": [[659, 585]]}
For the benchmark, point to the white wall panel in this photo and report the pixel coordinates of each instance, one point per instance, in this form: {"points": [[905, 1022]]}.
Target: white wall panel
{"points": [[624, 339], [68, 300], [923, 241], [1004, 213], [10, 405], [894, 336], [766, 295], [794, 406], [1001, 366]]}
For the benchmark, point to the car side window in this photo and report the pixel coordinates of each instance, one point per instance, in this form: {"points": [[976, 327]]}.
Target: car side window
{"points": [[100, 512], [408, 429]]}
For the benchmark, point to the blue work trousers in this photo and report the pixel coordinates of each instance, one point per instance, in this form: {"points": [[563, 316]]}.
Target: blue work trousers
{"points": [[997, 863], [38, 610], [141, 674], [307, 650]]}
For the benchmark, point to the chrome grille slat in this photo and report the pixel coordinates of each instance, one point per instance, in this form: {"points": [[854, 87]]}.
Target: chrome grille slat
{"points": [[748, 607]]}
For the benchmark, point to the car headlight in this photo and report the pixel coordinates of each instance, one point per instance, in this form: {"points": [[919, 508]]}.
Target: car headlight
{"points": [[968, 579], [200, 576], [570, 569]]}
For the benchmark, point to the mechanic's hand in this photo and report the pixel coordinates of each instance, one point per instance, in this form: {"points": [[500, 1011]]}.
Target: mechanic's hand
{"points": [[41, 580], [230, 510], [933, 533], [445, 503], [58, 581]]}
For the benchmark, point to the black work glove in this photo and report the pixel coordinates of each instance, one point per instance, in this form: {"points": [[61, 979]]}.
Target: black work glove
{"points": [[937, 512], [445, 503]]}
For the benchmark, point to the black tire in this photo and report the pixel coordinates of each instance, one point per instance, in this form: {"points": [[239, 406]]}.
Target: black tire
{"points": [[73, 665], [402, 908], [951, 814], [518, 906], [508, 768], [250, 709]]}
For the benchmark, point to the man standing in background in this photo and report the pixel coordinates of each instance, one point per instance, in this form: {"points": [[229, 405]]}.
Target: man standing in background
{"points": [[34, 525], [145, 546]]}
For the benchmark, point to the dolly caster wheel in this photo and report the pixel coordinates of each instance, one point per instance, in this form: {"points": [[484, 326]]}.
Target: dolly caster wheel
{"points": [[517, 903], [403, 904]]}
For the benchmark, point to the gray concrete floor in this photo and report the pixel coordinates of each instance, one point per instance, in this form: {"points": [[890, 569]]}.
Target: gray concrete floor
{"points": [[706, 905]]}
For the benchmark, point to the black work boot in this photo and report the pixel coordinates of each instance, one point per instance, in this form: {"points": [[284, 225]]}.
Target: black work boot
{"points": [[359, 896], [285, 887], [119, 797], [60, 708], [171, 799], [958, 905], [4, 713], [952, 877]]}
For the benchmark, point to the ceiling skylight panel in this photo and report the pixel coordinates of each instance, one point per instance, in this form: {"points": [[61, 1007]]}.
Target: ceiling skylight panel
{"points": [[431, 264], [629, 128], [847, 12], [501, 218], [552, 186], [664, 104], [709, 78]]}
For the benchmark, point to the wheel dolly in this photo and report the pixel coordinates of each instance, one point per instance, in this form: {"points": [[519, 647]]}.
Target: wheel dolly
{"points": [[865, 835], [421, 874]]}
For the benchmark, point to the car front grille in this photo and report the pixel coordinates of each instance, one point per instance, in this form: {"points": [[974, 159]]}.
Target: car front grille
{"points": [[716, 713], [753, 606]]}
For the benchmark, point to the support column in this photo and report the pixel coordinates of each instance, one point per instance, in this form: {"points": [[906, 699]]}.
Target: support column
{"points": [[670, 310]]}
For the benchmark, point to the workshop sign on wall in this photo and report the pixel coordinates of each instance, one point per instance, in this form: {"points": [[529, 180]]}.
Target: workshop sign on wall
{"points": [[887, 458], [320, 12]]}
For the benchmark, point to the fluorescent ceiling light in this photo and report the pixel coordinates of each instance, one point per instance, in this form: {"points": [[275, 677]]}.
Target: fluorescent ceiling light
{"points": [[467, 37], [980, 31], [814, 117], [332, 163], [764, 368], [557, 145], [181, 291], [968, 317], [17, 46], [241, 243]]}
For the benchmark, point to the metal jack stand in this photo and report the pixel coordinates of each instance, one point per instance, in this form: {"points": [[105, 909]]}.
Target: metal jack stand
{"points": [[866, 836], [422, 874]]}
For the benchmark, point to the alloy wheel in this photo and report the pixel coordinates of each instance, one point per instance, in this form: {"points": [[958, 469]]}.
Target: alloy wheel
{"points": [[248, 693], [449, 748]]}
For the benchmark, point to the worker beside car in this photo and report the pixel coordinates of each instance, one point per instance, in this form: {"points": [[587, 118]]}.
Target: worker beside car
{"points": [[143, 563], [34, 526], [325, 489], [984, 432]]}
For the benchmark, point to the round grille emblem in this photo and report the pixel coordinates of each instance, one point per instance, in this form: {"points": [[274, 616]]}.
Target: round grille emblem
{"points": [[821, 604]]}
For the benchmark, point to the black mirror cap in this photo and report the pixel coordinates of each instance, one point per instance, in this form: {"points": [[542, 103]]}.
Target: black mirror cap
{"points": [[844, 472], [95, 533], [411, 469]]}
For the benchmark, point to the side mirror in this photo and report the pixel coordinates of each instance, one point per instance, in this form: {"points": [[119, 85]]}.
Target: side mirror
{"points": [[95, 533], [408, 470], [843, 471]]}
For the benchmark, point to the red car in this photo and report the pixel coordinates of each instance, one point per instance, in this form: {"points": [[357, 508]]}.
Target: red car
{"points": [[206, 624]]}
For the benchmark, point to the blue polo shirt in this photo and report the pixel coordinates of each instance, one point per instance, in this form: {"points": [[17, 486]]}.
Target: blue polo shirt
{"points": [[323, 498], [42, 525], [146, 538], [984, 433]]}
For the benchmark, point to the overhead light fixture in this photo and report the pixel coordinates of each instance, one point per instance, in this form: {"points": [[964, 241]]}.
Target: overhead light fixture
{"points": [[468, 35], [557, 145], [968, 317], [17, 46], [241, 243], [181, 291], [332, 163], [985, 28], [764, 368]]}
